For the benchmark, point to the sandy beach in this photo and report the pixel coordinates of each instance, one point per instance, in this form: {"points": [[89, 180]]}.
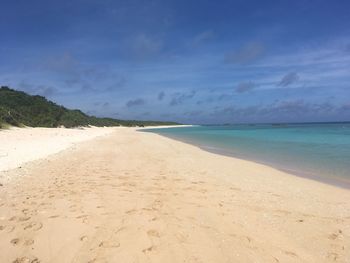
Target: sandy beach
{"points": [[21, 145], [122, 195]]}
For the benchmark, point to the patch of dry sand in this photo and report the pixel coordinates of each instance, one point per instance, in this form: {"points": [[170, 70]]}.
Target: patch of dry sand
{"points": [[21, 145]]}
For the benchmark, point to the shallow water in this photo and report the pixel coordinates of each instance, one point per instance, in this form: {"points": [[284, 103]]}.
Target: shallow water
{"points": [[316, 150]]}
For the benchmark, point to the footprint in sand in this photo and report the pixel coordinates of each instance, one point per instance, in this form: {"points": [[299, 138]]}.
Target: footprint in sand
{"points": [[149, 249], [85, 218], [182, 238], [120, 229], [13, 218], [178, 179], [9, 229], [332, 256], [276, 259], [82, 216], [25, 211], [335, 235], [197, 182], [109, 244], [35, 226], [23, 218], [203, 191], [131, 211], [290, 253], [157, 205], [105, 214], [29, 242], [15, 241], [153, 233], [26, 260], [83, 238]]}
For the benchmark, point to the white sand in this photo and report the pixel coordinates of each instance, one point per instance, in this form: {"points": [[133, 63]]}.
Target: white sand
{"points": [[21, 145]]}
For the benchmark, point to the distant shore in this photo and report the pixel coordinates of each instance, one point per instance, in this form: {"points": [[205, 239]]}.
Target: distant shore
{"points": [[165, 126], [118, 194]]}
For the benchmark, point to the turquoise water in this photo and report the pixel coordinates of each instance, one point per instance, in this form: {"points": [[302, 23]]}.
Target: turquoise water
{"points": [[321, 151]]}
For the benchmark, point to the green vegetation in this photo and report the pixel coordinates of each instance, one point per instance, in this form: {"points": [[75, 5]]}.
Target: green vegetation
{"points": [[20, 109]]}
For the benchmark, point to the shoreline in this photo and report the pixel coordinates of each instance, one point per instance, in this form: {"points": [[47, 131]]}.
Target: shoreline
{"points": [[90, 133], [334, 181]]}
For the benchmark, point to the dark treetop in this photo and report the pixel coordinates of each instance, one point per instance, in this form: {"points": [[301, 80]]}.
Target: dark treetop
{"points": [[20, 109]]}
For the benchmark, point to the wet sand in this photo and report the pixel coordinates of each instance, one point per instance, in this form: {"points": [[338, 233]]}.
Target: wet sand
{"points": [[130, 196]]}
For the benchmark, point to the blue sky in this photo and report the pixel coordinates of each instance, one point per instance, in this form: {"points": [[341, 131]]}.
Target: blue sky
{"points": [[187, 61]]}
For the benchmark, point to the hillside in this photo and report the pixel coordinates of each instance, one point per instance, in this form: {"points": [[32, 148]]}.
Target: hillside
{"points": [[20, 109]]}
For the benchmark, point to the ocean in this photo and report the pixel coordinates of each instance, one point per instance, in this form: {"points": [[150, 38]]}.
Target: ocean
{"points": [[316, 150]]}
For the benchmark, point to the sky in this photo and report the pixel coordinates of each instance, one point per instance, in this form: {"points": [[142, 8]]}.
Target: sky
{"points": [[200, 62]]}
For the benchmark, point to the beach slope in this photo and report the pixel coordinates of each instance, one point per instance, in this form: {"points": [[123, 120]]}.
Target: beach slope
{"points": [[130, 196]]}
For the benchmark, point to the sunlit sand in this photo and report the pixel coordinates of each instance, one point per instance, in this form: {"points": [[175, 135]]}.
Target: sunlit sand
{"points": [[129, 196]]}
